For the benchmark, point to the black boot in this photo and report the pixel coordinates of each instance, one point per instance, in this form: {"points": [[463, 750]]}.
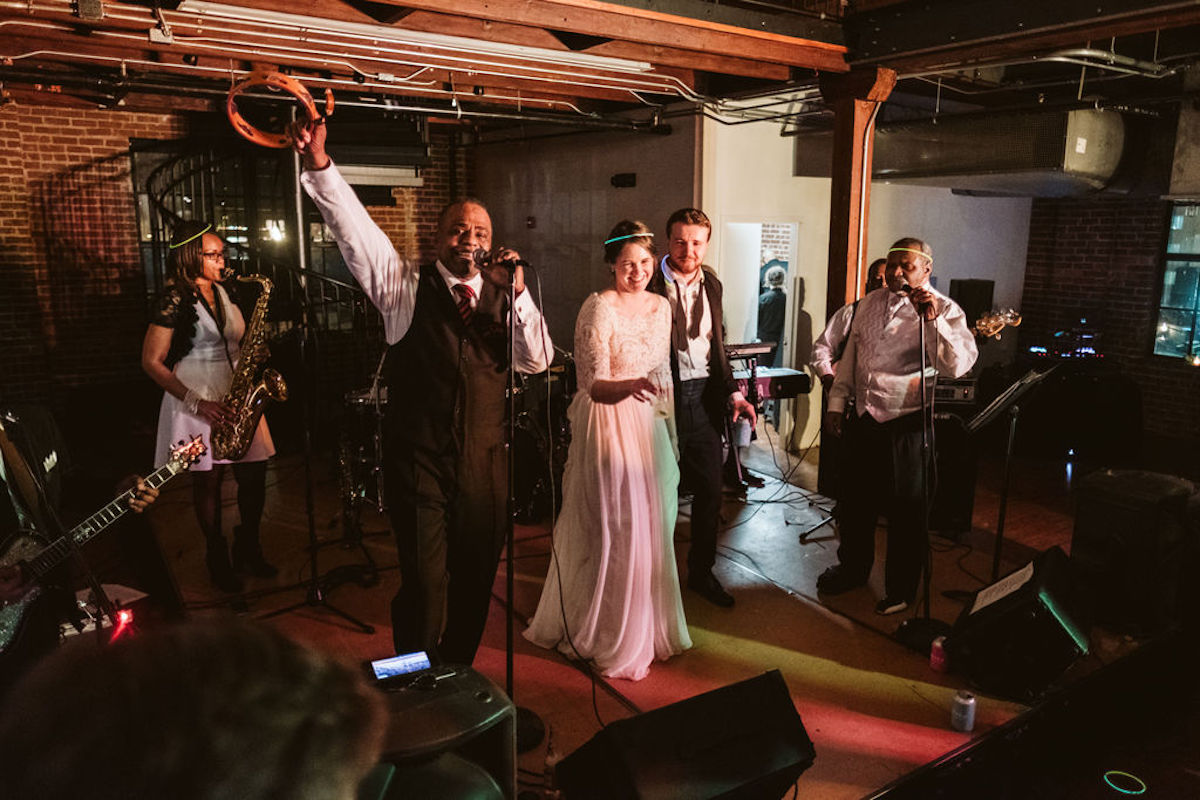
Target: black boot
{"points": [[248, 556], [221, 572]]}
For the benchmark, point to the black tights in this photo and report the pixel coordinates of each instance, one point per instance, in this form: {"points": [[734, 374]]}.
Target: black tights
{"points": [[251, 497]]}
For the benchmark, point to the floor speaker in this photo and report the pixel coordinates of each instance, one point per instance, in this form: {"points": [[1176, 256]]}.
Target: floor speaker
{"points": [[1020, 634], [741, 742], [451, 736], [957, 460], [1131, 531]]}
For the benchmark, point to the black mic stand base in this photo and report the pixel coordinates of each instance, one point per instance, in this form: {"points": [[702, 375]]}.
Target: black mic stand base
{"points": [[530, 729], [315, 598], [918, 633]]}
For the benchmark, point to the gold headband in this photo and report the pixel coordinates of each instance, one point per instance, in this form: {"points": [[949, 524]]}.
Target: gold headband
{"points": [[207, 228], [921, 253]]}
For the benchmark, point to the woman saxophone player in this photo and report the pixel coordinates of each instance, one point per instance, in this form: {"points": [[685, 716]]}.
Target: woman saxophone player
{"points": [[190, 350]]}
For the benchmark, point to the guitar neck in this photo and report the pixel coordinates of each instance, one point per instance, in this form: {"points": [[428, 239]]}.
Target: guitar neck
{"points": [[49, 558]]}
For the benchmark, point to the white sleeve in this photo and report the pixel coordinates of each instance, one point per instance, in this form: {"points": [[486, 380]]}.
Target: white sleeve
{"points": [[844, 379], [532, 348], [388, 280], [827, 344]]}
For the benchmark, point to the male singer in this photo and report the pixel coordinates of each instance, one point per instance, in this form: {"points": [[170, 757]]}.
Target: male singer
{"points": [[446, 325], [704, 386], [881, 370]]}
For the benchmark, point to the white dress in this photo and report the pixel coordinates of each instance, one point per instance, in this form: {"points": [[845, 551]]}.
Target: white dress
{"points": [[206, 371], [612, 590]]}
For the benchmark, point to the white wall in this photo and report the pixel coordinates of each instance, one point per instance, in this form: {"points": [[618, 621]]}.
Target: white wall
{"points": [[747, 175], [565, 184]]}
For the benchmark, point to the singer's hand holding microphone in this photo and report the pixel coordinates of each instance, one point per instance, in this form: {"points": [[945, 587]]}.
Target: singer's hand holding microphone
{"points": [[925, 301], [502, 266]]}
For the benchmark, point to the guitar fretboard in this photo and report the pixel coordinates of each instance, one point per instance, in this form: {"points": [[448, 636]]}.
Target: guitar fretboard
{"points": [[50, 557]]}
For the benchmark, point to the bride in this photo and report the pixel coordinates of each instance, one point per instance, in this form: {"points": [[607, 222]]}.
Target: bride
{"points": [[612, 591]]}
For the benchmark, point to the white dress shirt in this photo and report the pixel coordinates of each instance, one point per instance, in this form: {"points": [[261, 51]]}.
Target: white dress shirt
{"points": [[882, 361], [693, 363], [825, 349], [391, 281]]}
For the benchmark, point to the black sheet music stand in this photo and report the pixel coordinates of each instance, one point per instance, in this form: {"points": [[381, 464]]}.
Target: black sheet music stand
{"points": [[1006, 401]]}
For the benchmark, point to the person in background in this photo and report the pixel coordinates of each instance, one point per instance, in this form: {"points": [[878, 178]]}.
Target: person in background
{"points": [[209, 710], [191, 349], [772, 312], [703, 384], [881, 370]]}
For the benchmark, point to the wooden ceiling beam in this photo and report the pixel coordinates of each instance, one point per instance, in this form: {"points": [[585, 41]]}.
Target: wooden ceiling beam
{"points": [[648, 27]]}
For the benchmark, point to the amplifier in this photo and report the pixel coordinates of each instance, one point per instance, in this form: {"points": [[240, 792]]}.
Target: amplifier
{"points": [[954, 390]]}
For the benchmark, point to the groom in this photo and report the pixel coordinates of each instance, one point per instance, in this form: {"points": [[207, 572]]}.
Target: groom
{"points": [[704, 385]]}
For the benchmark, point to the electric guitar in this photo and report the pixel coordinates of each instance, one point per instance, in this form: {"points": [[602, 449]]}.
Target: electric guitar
{"points": [[29, 553], [992, 324]]}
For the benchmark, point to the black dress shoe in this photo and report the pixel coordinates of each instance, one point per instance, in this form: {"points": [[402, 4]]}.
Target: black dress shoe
{"points": [[708, 587], [836, 580]]}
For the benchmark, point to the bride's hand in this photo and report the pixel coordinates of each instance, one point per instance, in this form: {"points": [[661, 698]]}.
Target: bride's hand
{"points": [[642, 389]]}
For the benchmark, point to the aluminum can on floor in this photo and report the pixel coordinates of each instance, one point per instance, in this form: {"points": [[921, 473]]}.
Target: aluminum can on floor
{"points": [[962, 712]]}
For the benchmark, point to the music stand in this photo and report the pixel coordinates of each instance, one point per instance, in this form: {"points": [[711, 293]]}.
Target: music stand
{"points": [[1006, 401]]}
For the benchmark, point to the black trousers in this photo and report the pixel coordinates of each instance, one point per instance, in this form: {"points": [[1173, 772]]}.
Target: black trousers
{"points": [[700, 467], [448, 515], [882, 462]]}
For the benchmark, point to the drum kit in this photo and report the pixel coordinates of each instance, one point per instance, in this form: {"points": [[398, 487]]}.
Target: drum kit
{"points": [[541, 434]]}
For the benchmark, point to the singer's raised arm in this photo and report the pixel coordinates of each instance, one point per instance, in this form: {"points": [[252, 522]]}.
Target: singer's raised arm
{"points": [[387, 279]]}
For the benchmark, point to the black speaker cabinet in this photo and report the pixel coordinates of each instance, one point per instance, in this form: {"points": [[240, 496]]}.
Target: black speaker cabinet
{"points": [[1129, 544], [1020, 634], [974, 295], [452, 736], [741, 742], [957, 461]]}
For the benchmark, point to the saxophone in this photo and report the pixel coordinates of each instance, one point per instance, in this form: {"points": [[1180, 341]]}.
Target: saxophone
{"points": [[248, 395]]}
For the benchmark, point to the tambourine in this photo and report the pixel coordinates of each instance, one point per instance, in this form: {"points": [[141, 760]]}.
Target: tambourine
{"points": [[279, 82]]}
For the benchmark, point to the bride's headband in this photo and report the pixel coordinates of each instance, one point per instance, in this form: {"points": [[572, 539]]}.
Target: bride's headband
{"points": [[628, 236], [207, 228], [921, 253]]}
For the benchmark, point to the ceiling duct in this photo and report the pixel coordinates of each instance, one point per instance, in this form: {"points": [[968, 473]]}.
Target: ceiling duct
{"points": [[1050, 153], [1185, 170]]}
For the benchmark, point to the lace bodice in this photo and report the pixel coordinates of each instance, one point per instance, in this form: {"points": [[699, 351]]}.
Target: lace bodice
{"points": [[611, 346]]}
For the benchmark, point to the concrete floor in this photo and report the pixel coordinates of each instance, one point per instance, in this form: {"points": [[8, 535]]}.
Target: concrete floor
{"points": [[873, 709]]}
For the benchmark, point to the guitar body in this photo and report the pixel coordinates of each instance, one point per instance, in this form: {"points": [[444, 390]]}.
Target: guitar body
{"points": [[28, 624]]}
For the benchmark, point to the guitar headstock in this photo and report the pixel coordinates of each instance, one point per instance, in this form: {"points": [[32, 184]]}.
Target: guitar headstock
{"points": [[185, 454], [995, 322]]}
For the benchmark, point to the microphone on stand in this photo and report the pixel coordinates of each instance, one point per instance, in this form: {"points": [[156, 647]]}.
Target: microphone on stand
{"points": [[483, 258], [907, 289]]}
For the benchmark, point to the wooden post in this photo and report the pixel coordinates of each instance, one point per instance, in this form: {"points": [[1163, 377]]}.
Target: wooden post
{"points": [[855, 99]]}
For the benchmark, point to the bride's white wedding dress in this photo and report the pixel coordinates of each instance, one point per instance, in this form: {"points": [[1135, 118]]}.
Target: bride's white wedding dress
{"points": [[612, 591]]}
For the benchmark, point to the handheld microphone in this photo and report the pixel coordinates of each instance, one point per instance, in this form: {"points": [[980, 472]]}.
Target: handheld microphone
{"points": [[483, 258]]}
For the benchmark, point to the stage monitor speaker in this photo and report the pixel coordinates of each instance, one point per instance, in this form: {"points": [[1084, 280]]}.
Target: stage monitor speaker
{"points": [[1128, 547], [451, 736], [741, 742], [974, 295], [1021, 633]]}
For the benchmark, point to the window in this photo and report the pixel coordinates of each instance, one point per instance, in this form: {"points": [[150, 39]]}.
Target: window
{"points": [[1176, 334]]}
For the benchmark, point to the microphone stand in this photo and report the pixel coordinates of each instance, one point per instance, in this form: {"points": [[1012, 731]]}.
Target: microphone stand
{"points": [[314, 596], [530, 729], [918, 633]]}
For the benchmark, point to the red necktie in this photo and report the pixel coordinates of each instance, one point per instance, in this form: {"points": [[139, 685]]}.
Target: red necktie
{"points": [[465, 294]]}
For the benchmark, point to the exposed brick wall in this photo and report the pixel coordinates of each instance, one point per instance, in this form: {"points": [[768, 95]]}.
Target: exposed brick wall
{"points": [[1102, 260], [73, 287], [73, 309]]}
